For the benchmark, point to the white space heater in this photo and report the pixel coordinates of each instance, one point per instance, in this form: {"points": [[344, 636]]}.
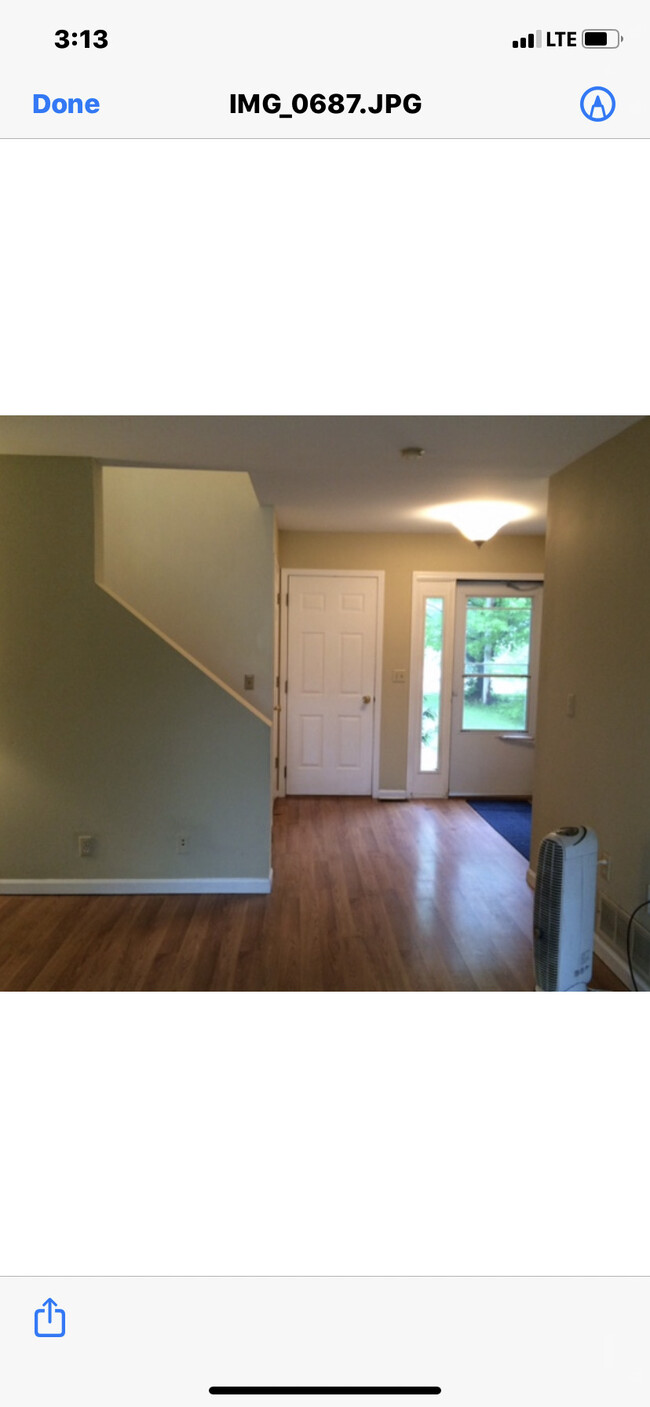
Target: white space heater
{"points": [[565, 908]]}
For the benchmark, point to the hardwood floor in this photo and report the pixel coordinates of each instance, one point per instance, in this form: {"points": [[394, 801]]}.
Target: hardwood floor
{"points": [[367, 896]]}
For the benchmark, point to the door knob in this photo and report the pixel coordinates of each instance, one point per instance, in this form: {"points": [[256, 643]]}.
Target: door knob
{"points": [[367, 698]]}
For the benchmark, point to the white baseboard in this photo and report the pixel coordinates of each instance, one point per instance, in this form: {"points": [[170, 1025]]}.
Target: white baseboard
{"points": [[136, 886], [617, 963], [392, 796]]}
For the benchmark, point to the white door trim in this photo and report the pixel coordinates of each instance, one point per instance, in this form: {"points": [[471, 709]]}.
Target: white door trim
{"points": [[380, 577], [439, 579]]}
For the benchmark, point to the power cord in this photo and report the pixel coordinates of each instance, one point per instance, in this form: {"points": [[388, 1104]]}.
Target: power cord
{"points": [[628, 936]]}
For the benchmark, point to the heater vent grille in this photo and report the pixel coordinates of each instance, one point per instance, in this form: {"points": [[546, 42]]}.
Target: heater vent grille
{"points": [[608, 920], [612, 926], [641, 950]]}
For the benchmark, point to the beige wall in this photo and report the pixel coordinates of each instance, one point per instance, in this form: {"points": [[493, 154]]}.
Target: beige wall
{"points": [[594, 768], [399, 555], [192, 553], [104, 729]]}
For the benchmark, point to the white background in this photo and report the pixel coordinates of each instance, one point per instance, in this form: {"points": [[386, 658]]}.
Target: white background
{"points": [[408, 1134], [324, 1134], [330, 277]]}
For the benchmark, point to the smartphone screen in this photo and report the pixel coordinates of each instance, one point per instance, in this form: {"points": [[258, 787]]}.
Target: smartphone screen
{"points": [[324, 749]]}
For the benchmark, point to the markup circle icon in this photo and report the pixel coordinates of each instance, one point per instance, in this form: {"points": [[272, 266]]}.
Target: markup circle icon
{"points": [[597, 104]]}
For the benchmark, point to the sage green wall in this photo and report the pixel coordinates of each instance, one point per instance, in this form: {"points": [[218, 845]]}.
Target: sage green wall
{"points": [[594, 768], [400, 555], [104, 729]]}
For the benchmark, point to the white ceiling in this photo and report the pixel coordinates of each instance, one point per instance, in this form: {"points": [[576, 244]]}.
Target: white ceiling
{"points": [[340, 473]]}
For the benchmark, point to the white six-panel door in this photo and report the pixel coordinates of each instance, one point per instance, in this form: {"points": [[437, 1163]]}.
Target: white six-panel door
{"points": [[331, 659]]}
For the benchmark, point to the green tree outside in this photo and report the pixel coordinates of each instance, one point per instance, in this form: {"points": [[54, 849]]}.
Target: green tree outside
{"points": [[497, 647]]}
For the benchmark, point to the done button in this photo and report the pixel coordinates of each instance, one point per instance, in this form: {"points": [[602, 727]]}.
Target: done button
{"points": [[72, 105]]}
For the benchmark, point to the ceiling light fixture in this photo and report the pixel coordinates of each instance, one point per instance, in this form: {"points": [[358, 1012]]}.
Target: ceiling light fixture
{"points": [[479, 520]]}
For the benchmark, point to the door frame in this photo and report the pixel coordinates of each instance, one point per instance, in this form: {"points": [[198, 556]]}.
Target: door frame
{"points": [[380, 577], [438, 579], [475, 739]]}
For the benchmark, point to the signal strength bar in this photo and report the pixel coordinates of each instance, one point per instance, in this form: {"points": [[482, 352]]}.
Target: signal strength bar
{"points": [[530, 41]]}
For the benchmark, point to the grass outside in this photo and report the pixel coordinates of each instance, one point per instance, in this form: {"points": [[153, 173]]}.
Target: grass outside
{"points": [[502, 714]]}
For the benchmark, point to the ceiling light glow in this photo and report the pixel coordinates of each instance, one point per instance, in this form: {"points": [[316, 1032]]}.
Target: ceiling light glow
{"points": [[479, 520]]}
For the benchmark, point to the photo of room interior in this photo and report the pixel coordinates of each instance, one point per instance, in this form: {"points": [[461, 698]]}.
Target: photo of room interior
{"points": [[275, 714]]}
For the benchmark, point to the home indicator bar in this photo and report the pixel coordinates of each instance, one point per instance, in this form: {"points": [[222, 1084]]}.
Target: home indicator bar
{"points": [[326, 1391]]}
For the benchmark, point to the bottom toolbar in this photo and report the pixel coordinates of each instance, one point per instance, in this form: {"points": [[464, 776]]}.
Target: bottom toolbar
{"points": [[324, 1342]]}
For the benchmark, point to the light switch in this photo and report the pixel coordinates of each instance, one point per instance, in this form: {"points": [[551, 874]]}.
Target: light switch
{"points": [[571, 705]]}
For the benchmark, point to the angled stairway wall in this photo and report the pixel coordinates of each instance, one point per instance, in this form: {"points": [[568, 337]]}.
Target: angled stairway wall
{"points": [[191, 553]]}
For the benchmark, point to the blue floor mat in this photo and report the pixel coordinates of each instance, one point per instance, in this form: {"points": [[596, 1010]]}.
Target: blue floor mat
{"points": [[512, 819]]}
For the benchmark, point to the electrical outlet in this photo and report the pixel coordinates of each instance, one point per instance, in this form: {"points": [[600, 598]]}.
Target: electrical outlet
{"points": [[86, 846], [182, 843]]}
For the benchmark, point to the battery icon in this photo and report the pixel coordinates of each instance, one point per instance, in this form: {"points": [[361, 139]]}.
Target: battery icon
{"points": [[601, 38]]}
